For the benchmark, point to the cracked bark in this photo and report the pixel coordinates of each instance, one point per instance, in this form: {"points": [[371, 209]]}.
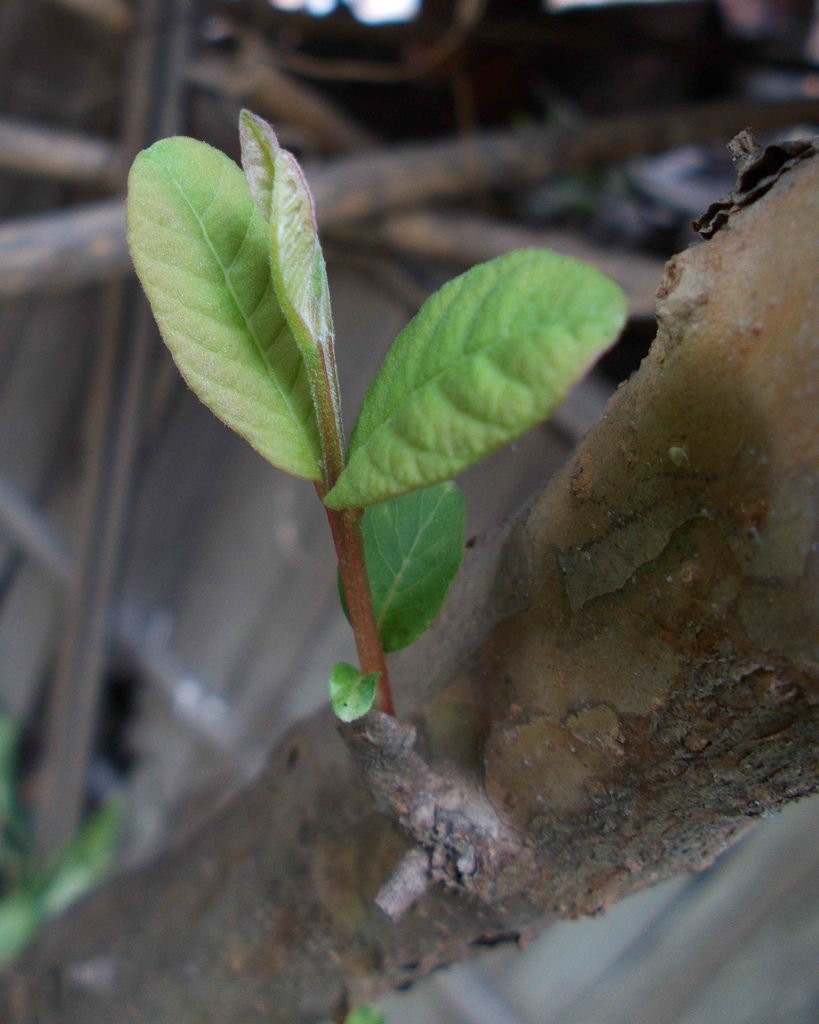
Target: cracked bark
{"points": [[626, 676]]}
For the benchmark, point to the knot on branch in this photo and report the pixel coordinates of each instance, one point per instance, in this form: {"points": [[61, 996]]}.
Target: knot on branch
{"points": [[462, 841]]}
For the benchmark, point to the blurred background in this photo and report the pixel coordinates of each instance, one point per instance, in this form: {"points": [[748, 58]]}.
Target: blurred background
{"points": [[167, 600]]}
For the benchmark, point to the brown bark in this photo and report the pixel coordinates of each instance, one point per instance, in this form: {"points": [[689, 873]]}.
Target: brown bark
{"points": [[626, 677]]}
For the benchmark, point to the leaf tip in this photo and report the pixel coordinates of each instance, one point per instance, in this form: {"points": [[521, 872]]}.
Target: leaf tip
{"points": [[259, 127], [259, 151]]}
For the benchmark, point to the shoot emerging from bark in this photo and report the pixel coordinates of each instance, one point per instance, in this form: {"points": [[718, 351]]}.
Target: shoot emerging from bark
{"points": [[233, 268]]}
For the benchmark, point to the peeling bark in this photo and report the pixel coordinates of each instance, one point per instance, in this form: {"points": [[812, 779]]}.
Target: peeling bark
{"points": [[467, 844], [626, 677]]}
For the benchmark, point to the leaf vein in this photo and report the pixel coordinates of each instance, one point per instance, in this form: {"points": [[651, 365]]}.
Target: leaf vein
{"points": [[287, 399]]}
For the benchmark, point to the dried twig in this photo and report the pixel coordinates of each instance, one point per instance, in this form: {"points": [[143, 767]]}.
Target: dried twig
{"points": [[465, 239], [407, 175], [32, 531], [113, 428], [253, 79], [52, 153], [61, 249], [26, 527]]}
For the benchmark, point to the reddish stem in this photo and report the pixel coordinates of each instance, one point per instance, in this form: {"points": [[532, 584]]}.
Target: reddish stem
{"points": [[345, 527]]}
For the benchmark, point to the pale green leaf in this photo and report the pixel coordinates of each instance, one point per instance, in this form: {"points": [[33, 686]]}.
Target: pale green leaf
{"points": [[20, 917], [297, 263], [259, 147], [488, 356], [200, 248], [299, 274], [84, 862], [8, 769], [413, 545], [352, 694], [15, 831], [300, 280], [297, 267], [365, 1015]]}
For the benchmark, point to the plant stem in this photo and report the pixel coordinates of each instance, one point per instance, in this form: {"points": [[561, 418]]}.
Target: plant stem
{"points": [[349, 544], [345, 527]]}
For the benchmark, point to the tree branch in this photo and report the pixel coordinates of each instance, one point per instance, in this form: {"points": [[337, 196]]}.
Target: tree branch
{"points": [[66, 249], [404, 176], [253, 79], [55, 153], [468, 845], [626, 676], [77, 246], [465, 239]]}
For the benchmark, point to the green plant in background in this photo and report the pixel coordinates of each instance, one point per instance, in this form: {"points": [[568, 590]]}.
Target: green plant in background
{"points": [[31, 892], [234, 272], [365, 1015]]}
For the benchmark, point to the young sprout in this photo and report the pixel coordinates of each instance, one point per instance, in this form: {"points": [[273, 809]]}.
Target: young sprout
{"points": [[233, 268]]}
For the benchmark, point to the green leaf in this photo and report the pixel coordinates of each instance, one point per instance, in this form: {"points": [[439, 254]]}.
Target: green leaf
{"points": [[352, 694], [488, 356], [20, 917], [300, 280], [15, 837], [297, 263], [259, 148], [200, 249], [8, 769], [413, 546], [299, 274], [365, 1015], [297, 267], [84, 862]]}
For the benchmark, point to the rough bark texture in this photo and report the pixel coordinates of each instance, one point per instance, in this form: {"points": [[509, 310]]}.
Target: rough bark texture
{"points": [[627, 675]]}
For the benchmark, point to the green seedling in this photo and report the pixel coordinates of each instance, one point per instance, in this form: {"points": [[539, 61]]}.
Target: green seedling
{"points": [[31, 891], [233, 268]]}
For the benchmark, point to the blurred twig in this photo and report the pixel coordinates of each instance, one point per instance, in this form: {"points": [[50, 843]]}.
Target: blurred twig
{"points": [[113, 14], [465, 239], [411, 174], [204, 714], [63, 248], [67, 248], [152, 108], [53, 153], [252, 78], [379, 269], [35, 534]]}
